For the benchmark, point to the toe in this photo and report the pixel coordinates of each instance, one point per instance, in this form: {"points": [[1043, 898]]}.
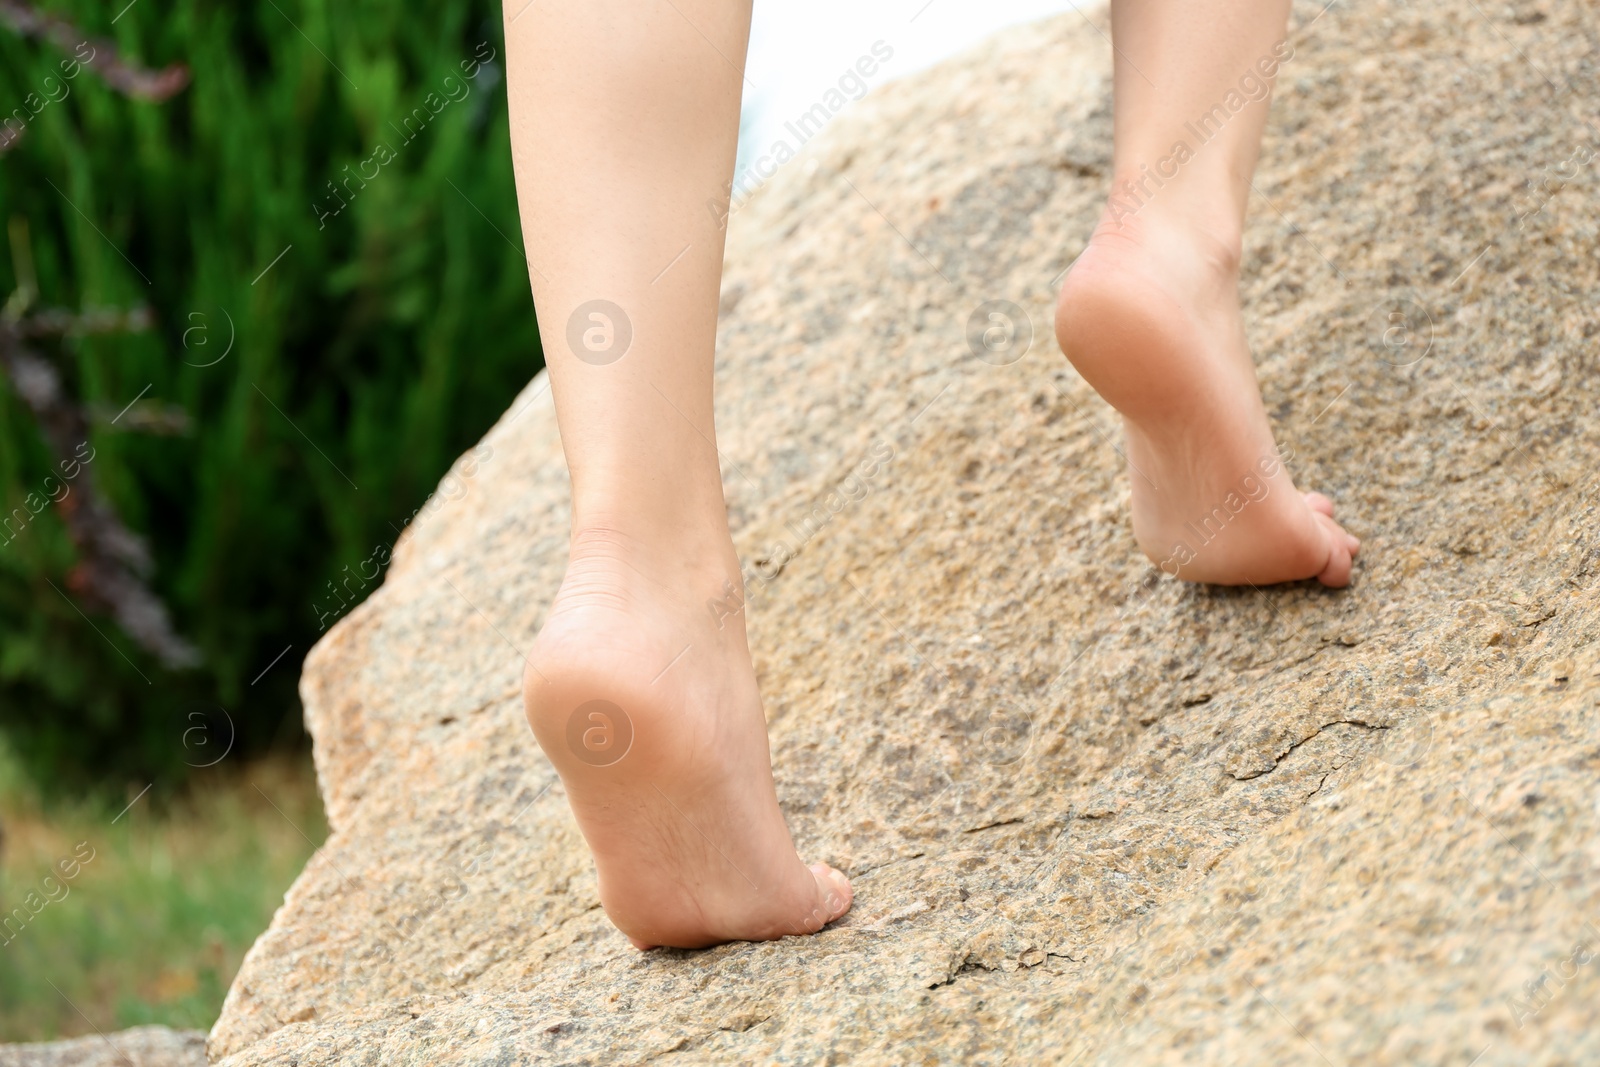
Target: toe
{"points": [[1320, 503], [1336, 572], [837, 893]]}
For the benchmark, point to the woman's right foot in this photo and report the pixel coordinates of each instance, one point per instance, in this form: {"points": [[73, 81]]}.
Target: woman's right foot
{"points": [[1149, 315], [645, 700]]}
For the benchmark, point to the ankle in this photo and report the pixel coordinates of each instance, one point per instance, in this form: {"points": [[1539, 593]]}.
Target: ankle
{"points": [[688, 555], [1204, 247], [1204, 211]]}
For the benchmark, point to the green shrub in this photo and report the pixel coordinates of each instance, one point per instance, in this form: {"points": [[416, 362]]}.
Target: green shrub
{"points": [[332, 197]]}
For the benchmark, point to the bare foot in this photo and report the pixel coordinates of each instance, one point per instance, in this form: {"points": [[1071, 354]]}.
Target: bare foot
{"points": [[646, 702], [1149, 315]]}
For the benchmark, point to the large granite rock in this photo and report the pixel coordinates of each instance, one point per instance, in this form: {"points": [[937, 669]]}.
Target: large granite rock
{"points": [[142, 1046], [1093, 815]]}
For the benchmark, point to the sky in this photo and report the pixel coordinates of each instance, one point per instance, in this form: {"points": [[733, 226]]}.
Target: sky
{"points": [[800, 48]]}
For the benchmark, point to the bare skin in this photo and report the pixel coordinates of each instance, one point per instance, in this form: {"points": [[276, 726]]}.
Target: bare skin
{"points": [[1149, 314], [624, 122], [689, 843], [625, 118]]}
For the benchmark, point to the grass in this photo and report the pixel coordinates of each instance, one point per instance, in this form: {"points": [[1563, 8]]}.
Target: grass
{"points": [[154, 925]]}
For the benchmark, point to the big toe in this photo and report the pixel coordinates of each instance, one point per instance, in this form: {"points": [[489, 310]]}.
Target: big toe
{"points": [[835, 889], [1341, 547]]}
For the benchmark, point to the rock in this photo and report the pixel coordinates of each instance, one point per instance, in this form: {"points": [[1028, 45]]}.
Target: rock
{"points": [[1092, 815], [143, 1046]]}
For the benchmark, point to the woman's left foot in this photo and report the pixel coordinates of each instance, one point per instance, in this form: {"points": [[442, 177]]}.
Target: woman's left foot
{"points": [[1149, 315]]}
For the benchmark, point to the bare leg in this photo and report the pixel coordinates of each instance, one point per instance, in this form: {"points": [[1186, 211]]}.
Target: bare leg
{"points": [[1150, 312], [624, 119]]}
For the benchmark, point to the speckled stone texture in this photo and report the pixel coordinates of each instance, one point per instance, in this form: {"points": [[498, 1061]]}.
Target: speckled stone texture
{"points": [[143, 1046], [1093, 815]]}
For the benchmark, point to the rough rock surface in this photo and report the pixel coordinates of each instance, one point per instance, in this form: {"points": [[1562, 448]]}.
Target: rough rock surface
{"points": [[142, 1046], [1093, 815]]}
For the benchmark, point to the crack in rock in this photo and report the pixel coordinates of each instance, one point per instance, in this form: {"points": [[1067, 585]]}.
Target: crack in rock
{"points": [[1248, 775]]}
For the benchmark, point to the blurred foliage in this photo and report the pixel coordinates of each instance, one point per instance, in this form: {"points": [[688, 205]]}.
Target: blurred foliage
{"points": [[323, 225], [165, 898]]}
